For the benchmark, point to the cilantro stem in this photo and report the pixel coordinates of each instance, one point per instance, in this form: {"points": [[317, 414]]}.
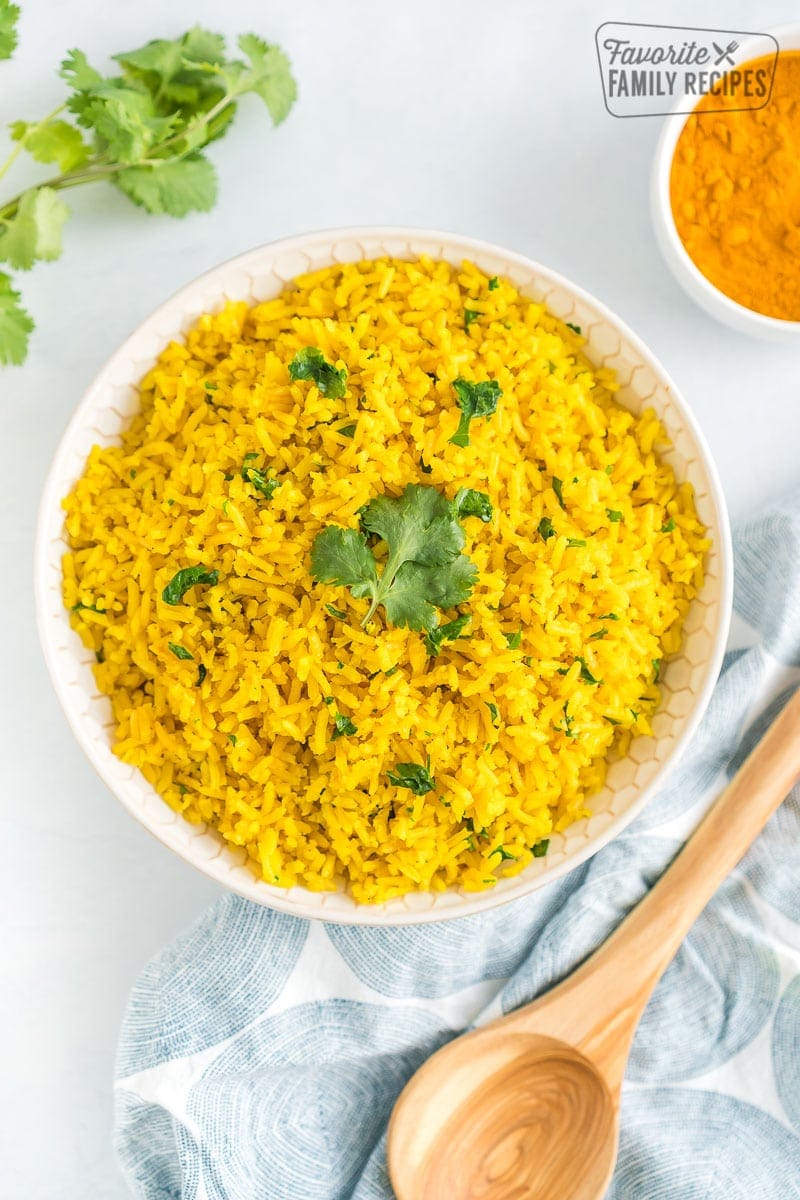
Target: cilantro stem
{"points": [[98, 169]]}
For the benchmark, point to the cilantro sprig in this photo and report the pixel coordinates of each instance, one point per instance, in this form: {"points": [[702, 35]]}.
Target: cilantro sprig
{"points": [[424, 569], [143, 128]]}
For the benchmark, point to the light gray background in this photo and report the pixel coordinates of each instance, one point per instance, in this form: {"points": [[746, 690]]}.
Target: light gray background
{"points": [[484, 118]]}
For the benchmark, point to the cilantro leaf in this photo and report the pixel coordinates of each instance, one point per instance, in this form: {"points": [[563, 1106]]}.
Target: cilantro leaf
{"points": [[668, 526], [52, 141], [342, 556], [614, 515], [15, 325], [414, 776], [126, 122], [342, 727], [574, 328], [539, 850], [187, 578], [474, 400], [9, 15], [418, 526], [469, 503], [35, 231], [180, 651], [440, 634], [514, 639], [336, 612], [260, 480], [424, 569], [546, 529], [77, 74], [178, 187], [558, 489], [493, 711], [470, 316], [270, 76], [585, 674], [494, 282], [310, 363]]}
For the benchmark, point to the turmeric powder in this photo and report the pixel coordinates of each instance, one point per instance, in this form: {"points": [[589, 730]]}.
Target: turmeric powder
{"points": [[735, 194]]}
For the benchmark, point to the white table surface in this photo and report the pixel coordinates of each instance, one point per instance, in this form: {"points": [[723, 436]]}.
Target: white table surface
{"points": [[486, 119]]}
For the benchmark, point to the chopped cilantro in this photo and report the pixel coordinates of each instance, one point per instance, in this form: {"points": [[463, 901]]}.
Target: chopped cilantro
{"points": [[611, 721], [474, 400], [232, 739], [450, 632], [266, 484], [348, 431], [546, 529], [336, 612], [493, 712], [470, 315], [599, 633], [392, 670], [558, 489], [514, 639], [566, 726], [586, 675], [186, 578], [343, 727], [423, 466], [327, 699], [100, 655], [575, 543], [574, 328], [414, 776], [180, 651], [668, 526], [201, 674], [613, 514], [504, 855], [310, 363], [425, 569], [540, 848], [494, 282], [608, 617], [656, 670], [80, 607], [469, 503]]}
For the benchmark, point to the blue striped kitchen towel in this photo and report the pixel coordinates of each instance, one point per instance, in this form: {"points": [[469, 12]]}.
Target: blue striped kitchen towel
{"points": [[261, 1054]]}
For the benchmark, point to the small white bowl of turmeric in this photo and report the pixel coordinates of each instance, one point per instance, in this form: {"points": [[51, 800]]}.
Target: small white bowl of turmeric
{"points": [[726, 196]]}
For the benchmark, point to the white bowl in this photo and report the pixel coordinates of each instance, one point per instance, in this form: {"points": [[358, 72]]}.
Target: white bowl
{"points": [[112, 398], [688, 275]]}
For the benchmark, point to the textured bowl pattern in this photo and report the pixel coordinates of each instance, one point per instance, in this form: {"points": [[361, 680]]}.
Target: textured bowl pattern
{"points": [[258, 275]]}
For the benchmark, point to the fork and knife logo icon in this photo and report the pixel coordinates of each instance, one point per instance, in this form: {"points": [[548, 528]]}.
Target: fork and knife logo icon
{"points": [[726, 54]]}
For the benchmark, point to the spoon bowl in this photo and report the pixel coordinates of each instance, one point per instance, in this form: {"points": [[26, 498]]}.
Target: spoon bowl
{"points": [[527, 1108], [534, 1114]]}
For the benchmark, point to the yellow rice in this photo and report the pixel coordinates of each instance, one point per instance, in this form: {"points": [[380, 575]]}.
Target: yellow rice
{"points": [[249, 750]]}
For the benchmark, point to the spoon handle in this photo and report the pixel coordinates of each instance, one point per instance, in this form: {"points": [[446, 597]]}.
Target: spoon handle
{"points": [[606, 995]]}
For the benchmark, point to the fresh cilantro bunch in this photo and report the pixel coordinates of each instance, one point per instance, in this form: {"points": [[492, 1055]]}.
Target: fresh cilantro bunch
{"points": [[144, 129], [424, 569]]}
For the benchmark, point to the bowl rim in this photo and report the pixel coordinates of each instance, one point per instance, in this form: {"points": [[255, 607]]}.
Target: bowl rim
{"points": [[722, 306], [48, 526]]}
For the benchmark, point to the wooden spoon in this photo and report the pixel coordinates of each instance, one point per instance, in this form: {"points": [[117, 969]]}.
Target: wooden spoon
{"points": [[527, 1108]]}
